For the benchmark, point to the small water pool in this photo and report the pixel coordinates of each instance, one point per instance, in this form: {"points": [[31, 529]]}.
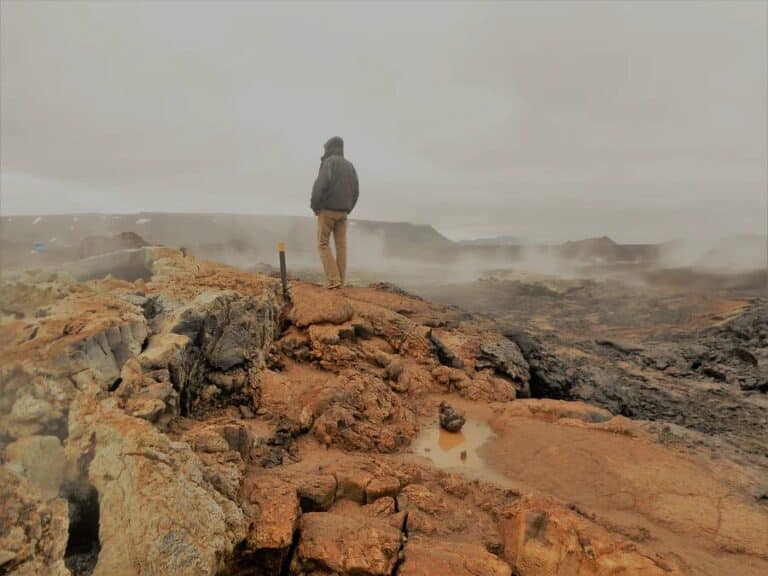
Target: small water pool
{"points": [[459, 451]]}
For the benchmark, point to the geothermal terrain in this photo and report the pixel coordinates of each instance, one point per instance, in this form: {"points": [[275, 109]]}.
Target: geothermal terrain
{"points": [[166, 409]]}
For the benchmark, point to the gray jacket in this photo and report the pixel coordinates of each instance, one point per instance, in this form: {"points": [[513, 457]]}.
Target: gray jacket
{"points": [[336, 186]]}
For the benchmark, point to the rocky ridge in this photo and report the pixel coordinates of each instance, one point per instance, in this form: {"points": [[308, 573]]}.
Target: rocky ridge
{"points": [[194, 422]]}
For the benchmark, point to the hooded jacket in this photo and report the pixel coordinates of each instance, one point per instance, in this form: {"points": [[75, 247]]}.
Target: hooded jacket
{"points": [[336, 186]]}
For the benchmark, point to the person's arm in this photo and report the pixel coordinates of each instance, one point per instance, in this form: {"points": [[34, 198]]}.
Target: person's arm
{"points": [[355, 189], [321, 185]]}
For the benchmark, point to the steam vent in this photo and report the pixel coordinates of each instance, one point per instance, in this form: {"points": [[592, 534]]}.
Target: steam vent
{"points": [[180, 417]]}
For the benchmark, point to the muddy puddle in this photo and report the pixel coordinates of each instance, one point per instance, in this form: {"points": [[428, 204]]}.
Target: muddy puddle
{"points": [[459, 451]]}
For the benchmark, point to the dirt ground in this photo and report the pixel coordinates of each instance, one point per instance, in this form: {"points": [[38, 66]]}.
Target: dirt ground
{"points": [[227, 430], [668, 347]]}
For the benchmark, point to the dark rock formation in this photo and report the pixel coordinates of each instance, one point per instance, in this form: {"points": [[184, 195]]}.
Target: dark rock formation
{"points": [[505, 358], [548, 374]]}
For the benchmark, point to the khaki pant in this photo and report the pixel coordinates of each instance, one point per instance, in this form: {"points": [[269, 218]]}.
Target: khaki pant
{"points": [[333, 221]]}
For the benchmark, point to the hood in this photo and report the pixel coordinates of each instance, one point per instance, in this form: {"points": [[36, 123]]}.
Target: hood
{"points": [[334, 147]]}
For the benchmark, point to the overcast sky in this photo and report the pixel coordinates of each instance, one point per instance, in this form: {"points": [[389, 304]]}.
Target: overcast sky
{"points": [[548, 121]]}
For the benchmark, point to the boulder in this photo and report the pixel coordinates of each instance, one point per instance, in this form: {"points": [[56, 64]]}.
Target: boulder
{"points": [[280, 395], [41, 460], [328, 334], [228, 327], [33, 532], [425, 557], [549, 374], [155, 401], [275, 514], [346, 545], [210, 441], [544, 537], [419, 496], [400, 332], [317, 493], [363, 413], [383, 507], [32, 402], [228, 381], [131, 376], [445, 354], [238, 436], [167, 350], [487, 387], [29, 415], [314, 305], [449, 377], [158, 513], [294, 344], [149, 393], [222, 449], [381, 487], [351, 484], [505, 358], [450, 420], [102, 353], [224, 470]]}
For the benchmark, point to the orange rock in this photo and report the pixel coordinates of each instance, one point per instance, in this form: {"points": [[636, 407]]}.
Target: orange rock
{"points": [[382, 507], [545, 538], [317, 493], [351, 484], [315, 305], [380, 487], [33, 530], [448, 376], [275, 515], [425, 557], [424, 499], [326, 334], [331, 543]]}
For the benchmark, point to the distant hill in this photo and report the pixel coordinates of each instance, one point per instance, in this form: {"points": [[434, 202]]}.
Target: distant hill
{"points": [[493, 241], [591, 251], [605, 250], [602, 250], [223, 236], [248, 239], [734, 253]]}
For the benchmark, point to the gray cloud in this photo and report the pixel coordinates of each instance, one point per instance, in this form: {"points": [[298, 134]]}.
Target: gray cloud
{"points": [[644, 121]]}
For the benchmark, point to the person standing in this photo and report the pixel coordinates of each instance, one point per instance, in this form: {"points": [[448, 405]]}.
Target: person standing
{"points": [[334, 196]]}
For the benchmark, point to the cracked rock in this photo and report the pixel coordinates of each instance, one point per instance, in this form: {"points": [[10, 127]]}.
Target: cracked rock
{"points": [[335, 544]]}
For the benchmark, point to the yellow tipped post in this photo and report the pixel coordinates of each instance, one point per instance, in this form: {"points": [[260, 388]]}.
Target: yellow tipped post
{"points": [[283, 270]]}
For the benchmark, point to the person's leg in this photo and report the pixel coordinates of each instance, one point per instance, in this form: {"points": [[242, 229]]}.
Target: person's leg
{"points": [[324, 228], [340, 240]]}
